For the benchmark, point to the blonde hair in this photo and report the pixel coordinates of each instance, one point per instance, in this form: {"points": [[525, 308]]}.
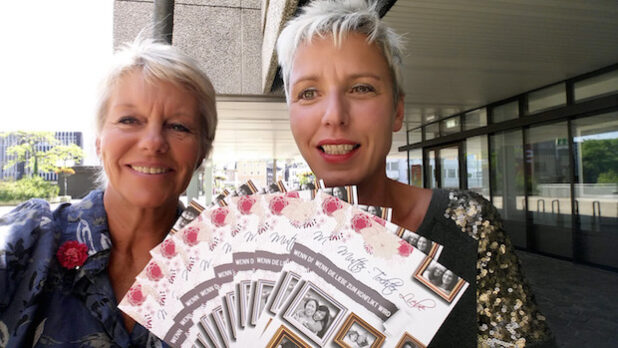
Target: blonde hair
{"points": [[337, 18]]}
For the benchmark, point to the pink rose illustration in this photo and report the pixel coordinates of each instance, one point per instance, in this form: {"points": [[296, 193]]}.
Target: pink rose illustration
{"points": [[245, 203], [72, 254], [168, 248], [153, 271], [135, 296], [277, 204], [293, 194], [360, 221], [379, 220], [218, 216], [190, 235], [405, 249], [330, 205]]}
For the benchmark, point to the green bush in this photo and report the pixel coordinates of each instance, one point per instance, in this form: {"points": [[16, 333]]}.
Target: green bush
{"points": [[27, 188], [609, 177]]}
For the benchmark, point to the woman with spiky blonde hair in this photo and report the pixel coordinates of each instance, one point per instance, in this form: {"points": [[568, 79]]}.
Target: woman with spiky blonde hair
{"points": [[341, 68]]}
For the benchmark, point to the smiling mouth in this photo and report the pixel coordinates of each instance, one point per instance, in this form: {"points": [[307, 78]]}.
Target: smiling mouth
{"points": [[339, 149], [150, 170]]}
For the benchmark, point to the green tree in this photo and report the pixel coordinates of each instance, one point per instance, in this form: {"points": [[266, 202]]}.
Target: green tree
{"points": [[41, 152], [65, 157], [30, 148], [600, 159]]}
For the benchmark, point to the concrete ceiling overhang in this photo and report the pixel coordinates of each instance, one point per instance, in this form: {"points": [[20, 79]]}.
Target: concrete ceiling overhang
{"points": [[460, 54]]}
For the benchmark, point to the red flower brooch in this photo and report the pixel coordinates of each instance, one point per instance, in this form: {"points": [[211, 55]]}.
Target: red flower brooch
{"points": [[72, 254]]}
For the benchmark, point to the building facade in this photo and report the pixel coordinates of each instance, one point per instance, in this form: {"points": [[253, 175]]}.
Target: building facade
{"points": [[547, 159]]}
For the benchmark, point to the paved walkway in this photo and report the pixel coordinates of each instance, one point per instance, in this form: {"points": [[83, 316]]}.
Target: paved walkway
{"points": [[580, 302]]}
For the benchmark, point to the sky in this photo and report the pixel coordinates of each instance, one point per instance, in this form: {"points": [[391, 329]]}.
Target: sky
{"points": [[53, 55]]}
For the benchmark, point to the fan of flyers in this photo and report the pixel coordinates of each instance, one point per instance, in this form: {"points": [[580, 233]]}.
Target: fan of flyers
{"points": [[292, 269]]}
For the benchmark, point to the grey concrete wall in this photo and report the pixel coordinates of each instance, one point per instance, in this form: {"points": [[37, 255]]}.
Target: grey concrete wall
{"points": [[80, 183], [275, 16], [225, 36]]}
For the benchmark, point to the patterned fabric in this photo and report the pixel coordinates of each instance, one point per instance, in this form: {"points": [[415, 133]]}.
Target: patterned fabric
{"points": [[43, 304], [506, 311]]}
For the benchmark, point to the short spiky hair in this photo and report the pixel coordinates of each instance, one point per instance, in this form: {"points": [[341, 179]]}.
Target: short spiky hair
{"points": [[337, 18]]}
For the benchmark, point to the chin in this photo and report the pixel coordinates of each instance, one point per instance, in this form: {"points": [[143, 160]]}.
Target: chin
{"points": [[338, 179], [152, 200]]}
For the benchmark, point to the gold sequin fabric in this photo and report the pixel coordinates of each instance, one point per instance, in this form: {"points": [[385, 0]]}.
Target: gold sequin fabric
{"points": [[506, 310]]}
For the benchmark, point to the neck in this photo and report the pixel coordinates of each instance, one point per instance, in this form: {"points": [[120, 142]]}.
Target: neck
{"points": [[375, 191], [409, 203], [136, 230]]}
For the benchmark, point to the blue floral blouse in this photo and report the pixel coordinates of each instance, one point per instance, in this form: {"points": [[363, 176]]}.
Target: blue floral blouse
{"points": [[43, 304]]}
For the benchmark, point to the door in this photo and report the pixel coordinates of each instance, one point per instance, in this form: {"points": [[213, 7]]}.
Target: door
{"points": [[443, 166]]}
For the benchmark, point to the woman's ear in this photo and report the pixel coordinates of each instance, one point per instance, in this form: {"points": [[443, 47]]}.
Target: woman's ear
{"points": [[399, 114]]}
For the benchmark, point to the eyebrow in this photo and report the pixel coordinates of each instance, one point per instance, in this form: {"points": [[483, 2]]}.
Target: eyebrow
{"points": [[182, 112], [370, 75], [351, 77], [306, 78]]}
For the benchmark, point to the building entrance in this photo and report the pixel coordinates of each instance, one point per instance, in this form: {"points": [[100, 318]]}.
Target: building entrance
{"points": [[443, 167]]}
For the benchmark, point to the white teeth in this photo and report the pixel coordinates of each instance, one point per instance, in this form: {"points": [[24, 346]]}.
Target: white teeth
{"points": [[149, 170], [340, 149]]}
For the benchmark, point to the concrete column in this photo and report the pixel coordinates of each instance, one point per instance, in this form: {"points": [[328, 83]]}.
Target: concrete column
{"points": [[163, 20], [208, 180], [193, 188]]}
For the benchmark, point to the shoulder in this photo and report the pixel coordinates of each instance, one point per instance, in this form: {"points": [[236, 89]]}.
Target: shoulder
{"points": [[22, 226], [28, 237], [470, 211]]}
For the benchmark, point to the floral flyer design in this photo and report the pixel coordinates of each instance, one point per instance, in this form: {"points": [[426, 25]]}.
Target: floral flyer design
{"points": [[292, 269]]}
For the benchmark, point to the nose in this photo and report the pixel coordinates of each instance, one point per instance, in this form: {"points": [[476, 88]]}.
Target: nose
{"points": [[336, 112], [154, 140]]}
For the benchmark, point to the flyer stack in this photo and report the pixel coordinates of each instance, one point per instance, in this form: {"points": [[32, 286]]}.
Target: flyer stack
{"points": [[293, 269]]}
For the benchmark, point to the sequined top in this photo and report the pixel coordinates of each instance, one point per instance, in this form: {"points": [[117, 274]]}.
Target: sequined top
{"points": [[477, 249]]}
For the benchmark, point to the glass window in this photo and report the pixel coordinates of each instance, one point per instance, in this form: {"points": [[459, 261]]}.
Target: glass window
{"points": [[547, 98], [396, 171], [449, 167], [595, 142], [507, 177], [505, 112], [416, 168], [477, 165], [415, 136], [549, 189], [429, 118], [475, 119], [596, 86], [432, 131], [430, 169], [450, 126]]}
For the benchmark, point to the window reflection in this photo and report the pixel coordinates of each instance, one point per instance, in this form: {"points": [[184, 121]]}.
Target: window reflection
{"points": [[430, 169], [595, 142], [477, 165], [416, 168], [507, 174], [449, 167], [549, 189], [549, 193]]}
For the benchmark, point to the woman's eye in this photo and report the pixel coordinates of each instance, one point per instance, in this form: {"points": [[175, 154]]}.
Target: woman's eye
{"points": [[308, 94], [127, 120], [179, 128], [363, 89]]}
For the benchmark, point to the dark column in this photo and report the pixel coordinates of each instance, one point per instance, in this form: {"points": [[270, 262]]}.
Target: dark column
{"points": [[163, 26]]}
